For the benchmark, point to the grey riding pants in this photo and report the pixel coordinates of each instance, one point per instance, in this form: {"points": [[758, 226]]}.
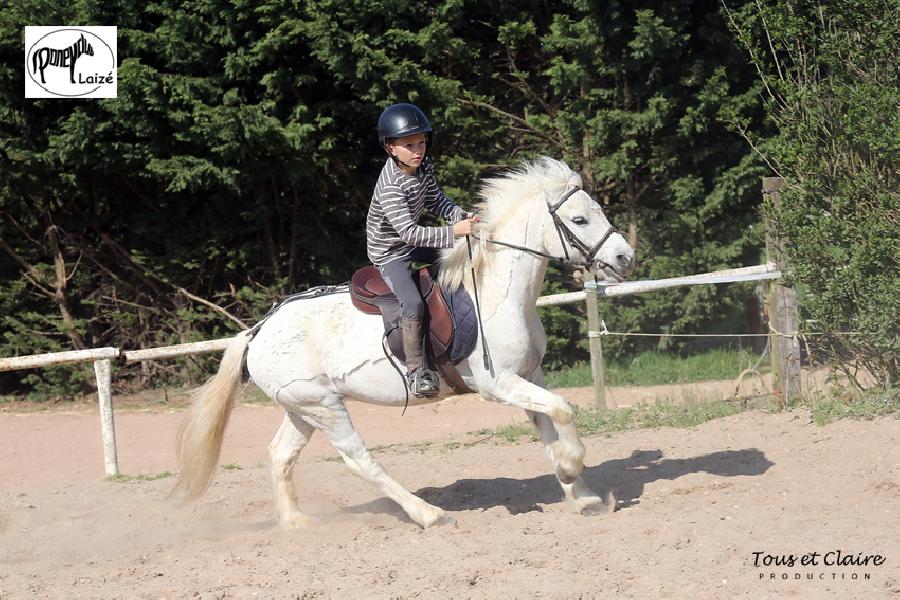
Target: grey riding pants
{"points": [[399, 277]]}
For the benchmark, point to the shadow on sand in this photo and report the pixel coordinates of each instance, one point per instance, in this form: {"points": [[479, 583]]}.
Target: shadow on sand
{"points": [[626, 478]]}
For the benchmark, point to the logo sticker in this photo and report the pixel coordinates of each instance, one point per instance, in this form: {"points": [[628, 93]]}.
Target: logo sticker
{"points": [[70, 62]]}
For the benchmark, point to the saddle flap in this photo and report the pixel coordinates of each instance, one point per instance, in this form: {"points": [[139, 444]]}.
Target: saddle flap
{"points": [[439, 317]]}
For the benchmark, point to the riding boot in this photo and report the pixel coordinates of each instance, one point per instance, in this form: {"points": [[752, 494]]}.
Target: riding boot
{"points": [[422, 382]]}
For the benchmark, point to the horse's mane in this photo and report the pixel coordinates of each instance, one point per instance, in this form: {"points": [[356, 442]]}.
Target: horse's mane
{"points": [[502, 197]]}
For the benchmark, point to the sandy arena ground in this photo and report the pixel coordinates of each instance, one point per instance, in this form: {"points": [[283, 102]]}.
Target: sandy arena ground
{"points": [[696, 505]]}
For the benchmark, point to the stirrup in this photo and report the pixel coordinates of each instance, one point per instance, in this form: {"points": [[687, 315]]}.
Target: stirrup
{"points": [[424, 383]]}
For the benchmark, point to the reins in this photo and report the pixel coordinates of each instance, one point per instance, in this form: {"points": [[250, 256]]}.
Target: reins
{"points": [[486, 356], [396, 368]]}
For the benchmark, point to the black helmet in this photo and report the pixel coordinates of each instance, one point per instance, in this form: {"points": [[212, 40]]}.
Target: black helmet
{"points": [[400, 120]]}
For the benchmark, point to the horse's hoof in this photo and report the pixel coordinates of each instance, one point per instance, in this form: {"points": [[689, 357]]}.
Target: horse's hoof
{"points": [[603, 506], [297, 521], [597, 508], [567, 476], [444, 520]]}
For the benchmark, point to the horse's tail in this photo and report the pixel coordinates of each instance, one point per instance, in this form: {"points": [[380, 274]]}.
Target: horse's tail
{"points": [[200, 435]]}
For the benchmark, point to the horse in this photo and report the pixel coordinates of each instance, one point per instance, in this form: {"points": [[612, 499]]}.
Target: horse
{"points": [[313, 355]]}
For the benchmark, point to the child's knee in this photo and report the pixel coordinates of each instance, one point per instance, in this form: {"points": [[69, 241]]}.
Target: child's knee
{"points": [[413, 308]]}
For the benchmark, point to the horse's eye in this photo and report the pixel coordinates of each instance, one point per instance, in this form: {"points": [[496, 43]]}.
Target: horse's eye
{"points": [[579, 220]]}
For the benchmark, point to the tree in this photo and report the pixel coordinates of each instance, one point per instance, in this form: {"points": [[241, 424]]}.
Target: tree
{"points": [[635, 95], [832, 85], [237, 162]]}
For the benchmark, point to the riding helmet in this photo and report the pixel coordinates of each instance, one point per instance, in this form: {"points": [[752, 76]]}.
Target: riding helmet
{"points": [[400, 120]]}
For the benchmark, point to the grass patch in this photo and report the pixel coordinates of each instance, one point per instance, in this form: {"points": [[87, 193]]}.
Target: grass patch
{"points": [[231, 467], [513, 433], [420, 447], [655, 368], [254, 395], [846, 404], [123, 478], [595, 421]]}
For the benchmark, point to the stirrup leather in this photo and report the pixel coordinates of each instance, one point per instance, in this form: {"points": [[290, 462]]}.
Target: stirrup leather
{"points": [[424, 382]]}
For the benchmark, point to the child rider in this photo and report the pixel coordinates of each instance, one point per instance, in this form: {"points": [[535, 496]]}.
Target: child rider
{"points": [[394, 239]]}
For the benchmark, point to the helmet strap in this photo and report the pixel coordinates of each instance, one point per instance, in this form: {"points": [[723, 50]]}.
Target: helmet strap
{"points": [[400, 162]]}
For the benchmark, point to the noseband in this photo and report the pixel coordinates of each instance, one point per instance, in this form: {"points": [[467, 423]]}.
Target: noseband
{"points": [[566, 235]]}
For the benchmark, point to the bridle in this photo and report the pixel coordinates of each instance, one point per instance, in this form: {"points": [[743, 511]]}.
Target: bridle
{"points": [[565, 235]]}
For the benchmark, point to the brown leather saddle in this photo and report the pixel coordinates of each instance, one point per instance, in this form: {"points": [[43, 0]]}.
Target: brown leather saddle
{"points": [[371, 294]]}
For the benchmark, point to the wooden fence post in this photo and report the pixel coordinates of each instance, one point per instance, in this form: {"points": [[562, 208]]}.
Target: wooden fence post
{"points": [[784, 343], [103, 370], [595, 344]]}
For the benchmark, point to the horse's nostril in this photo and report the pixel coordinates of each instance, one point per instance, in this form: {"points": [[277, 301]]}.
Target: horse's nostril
{"points": [[626, 260]]}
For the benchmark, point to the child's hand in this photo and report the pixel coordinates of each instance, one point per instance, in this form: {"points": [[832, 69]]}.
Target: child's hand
{"points": [[466, 226]]}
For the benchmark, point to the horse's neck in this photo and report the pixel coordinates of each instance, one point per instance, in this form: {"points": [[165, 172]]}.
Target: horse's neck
{"points": [[512, 279]]}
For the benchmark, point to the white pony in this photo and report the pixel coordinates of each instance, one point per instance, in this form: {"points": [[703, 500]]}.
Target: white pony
{"points": [[312, 355]]}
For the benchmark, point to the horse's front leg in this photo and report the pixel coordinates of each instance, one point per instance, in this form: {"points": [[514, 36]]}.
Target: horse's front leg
{"points": [[563, 444], [585, 500]]}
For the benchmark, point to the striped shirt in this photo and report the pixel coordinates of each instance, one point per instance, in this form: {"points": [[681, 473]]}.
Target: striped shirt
{"points": [[392, 229]]}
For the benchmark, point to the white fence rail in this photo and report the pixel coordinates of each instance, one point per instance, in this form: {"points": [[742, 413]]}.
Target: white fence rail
{"points": [[14, 363], [102, 357], [176, 351], [629, 288]]}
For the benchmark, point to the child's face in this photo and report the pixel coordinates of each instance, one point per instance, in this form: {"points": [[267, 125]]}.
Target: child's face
{"points": [[409, 150]]}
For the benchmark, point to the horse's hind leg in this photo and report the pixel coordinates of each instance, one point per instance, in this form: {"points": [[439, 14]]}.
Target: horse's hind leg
{"points": [[333, 420], [577, 492], [290, 439]]}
